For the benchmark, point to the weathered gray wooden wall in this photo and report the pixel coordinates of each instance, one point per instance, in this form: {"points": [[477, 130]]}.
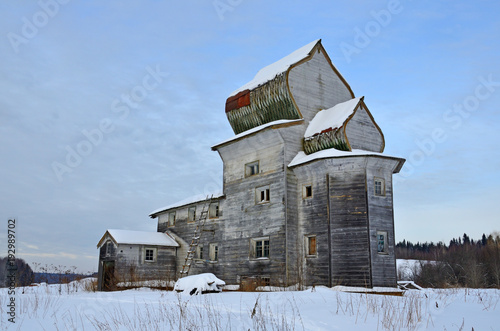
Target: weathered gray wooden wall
{"points": [[244, 218], [344, 214], [381, 218], [130, 264], [315, 86], [362, 132]]}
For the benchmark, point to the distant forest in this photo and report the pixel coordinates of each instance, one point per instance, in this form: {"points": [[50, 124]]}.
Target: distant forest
{"points": [[24, 274], [464, 262]]}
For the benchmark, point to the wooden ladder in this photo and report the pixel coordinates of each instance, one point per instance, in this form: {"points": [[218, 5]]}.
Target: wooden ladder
{"points": [[200, 225]]}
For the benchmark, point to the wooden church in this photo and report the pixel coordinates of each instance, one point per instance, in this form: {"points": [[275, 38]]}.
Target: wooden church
{"points": [[307, 192]]}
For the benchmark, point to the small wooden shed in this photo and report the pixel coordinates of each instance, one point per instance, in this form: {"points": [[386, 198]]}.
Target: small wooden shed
{"points": [[131, 257]]}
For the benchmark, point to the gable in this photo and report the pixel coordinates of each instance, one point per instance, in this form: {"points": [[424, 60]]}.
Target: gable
{"points": [[295, 87], [346, 126], [315, 84], [362, 132]]}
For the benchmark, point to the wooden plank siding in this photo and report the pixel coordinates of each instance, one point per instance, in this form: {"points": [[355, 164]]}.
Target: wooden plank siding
{"points": [[245, 217], [382, 219], [362, 132], [315, 86], [343, 198], [349, 223]]}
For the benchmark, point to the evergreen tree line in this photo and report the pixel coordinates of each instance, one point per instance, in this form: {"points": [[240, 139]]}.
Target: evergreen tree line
{"points": [[24, 273], [464, 262]]}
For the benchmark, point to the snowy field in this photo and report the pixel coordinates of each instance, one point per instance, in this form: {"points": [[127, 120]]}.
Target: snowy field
{"points": [[70, 307]]}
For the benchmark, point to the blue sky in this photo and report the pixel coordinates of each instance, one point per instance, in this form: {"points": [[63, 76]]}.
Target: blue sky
{"points": [[138, 90]]}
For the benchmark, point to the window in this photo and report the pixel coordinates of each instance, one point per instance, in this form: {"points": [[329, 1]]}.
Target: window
{"points": [[214, 252], [251, 169], [199, 252], [213, 210], [262, 194], [307, 191], [265, 281], [192, 214], [260, 248], [311, 249], [171, 219], [379, 186], [109, 248], [150, 254], [382, 242]]}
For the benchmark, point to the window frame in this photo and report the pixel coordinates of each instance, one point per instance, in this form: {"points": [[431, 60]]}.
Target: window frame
{"points": [[252, 168], [214, 213], [154, 252], [213, 252], [108, 250], [265, 280], [307, 242], [171, 219], [199, 253], [260, 242], [193, 214], [305, 189], [382, 186], [262, 195], [385, 248]]}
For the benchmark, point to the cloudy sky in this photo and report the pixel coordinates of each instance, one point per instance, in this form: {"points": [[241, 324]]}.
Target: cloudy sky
{"points": [[108, 109]]}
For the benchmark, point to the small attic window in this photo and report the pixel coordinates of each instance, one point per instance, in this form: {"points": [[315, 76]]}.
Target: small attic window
{"points": [[171, 219], [307, 191], [192, 214], [213, 210], [251, 168], [109, 248], [379, 186]]}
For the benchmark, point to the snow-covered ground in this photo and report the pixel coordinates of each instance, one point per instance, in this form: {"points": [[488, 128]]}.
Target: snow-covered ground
{"points": [[70, 307]]}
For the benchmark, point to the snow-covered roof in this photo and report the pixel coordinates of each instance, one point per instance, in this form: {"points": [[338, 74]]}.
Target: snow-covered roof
{"points": [[187, 201], [140, 238], [302, 157], [332, 118], [256, 129], [268, 73]]}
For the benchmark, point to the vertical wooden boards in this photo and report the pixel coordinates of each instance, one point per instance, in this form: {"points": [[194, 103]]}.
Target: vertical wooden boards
{"points": [[314, 85], [382, 219], [349, 227], [247, 218], [343, 198], [362, 132]]}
